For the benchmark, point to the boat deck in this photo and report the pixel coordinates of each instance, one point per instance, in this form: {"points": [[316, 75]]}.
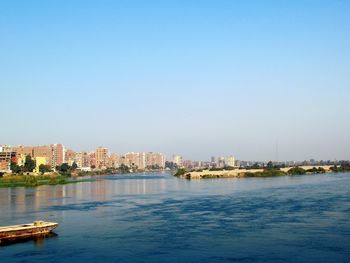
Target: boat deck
{"points": [[27, 226]]}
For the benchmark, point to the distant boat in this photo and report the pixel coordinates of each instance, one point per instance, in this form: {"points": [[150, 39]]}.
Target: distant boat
{"points": [[27, 230]]}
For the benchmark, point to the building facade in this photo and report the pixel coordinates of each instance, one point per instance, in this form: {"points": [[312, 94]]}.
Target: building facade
{"points": [[230, 161], [155, 160], [101, 155], [177, 159], [6, 158]]}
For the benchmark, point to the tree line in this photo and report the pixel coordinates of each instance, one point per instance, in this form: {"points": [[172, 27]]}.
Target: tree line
{"points": [[30, 164]]}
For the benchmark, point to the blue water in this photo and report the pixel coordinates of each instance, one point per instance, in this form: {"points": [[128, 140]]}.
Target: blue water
{"points": [[159, 218]]}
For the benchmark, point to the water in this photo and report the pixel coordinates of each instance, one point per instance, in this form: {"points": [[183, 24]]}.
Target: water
{"points": [[159, 218]]}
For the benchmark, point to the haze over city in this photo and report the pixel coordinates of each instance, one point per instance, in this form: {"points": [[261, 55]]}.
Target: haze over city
{"points": [[259, 79]]}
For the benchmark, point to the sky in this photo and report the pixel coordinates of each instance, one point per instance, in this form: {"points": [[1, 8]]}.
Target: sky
{"points": [[260, 80]]}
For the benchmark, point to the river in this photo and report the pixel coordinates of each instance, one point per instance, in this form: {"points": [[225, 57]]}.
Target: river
{"points": [[159, 218]]}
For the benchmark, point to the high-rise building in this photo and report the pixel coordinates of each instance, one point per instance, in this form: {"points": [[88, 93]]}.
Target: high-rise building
{"points": [[155, 160], [7, 148], [24, 150], [101, 155], [188, 164], [82, 159], [142, 161], [78, 159], [69, 156], [114, 160], [131, 158], [136, 159], [46, 152], [123, 161], [177, 159], [92, 158], [85, 159], [54, 153], [230, 161], [57, 154]]}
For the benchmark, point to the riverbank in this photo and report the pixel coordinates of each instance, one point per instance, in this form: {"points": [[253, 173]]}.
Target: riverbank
{"points": [[52, 178], [205, 174], [33, 180]]}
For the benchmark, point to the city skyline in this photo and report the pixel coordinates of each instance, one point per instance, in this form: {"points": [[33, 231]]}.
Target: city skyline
{"points": [[173, 157], [261, 79], [56, 155]]}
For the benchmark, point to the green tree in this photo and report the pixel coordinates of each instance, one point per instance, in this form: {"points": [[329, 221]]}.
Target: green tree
{"points": [[15, 168], [44, 168], [180, 171], [124, 169], [171, 165], [321, 170], [63, 168], [74, 166], [269, 165], [29, 164], [296, 171], [153, 167], [255, 166]]}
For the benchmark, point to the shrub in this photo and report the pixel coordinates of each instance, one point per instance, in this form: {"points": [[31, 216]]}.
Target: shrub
{"points": [[180, 171], [296, 171]]}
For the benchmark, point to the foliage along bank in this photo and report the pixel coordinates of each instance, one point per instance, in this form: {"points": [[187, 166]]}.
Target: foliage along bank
{"points": [[266, 172]]}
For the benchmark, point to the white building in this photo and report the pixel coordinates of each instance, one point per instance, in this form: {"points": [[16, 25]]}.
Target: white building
{"points": [[177, 159], [230, 161]]}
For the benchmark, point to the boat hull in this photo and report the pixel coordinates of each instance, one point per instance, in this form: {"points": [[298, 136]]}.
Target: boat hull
{"points": [[26, 232]]}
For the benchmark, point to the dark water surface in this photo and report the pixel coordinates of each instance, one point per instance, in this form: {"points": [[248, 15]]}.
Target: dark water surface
{"points": [[159, 218]]}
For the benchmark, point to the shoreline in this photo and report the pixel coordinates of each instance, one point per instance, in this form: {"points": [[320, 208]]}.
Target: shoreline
{"points": [[31, 180], [242, 173], [35, 180]]}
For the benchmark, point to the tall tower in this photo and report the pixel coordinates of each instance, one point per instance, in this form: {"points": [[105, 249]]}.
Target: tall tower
{"points": [[101, 156]]}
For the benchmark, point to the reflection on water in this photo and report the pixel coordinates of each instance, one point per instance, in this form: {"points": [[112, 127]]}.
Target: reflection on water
{"points": [[159, 218], [38, 240], [22, 199]]}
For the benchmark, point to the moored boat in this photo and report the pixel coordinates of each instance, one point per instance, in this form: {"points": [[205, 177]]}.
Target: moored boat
{"points": [[26, 230]]}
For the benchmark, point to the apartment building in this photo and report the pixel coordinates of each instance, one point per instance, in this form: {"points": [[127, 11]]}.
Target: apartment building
{"points": [[101, 155]]}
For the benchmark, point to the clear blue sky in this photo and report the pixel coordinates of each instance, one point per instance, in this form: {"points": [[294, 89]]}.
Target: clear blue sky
{"points": [[198, 78]]}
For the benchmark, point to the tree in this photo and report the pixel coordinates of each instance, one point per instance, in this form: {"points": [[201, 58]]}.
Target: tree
{"points": [[296, 171], [63, 168], [171, 165], [255, 166], [44, 168], [321, 170], [15, 168], [123, 168], [29, 164], [74, 166], [153, 167], [180, 171], [269, 165]]}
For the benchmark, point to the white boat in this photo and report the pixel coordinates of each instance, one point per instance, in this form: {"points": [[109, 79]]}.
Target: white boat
{"points": [[26, 230]]}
